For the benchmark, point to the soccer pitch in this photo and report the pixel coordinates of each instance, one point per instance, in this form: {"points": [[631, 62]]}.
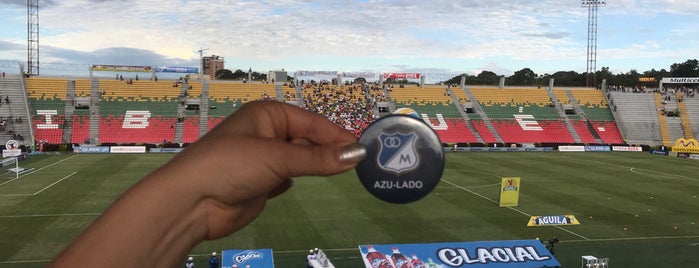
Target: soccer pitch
{"points": [[653, 197]]}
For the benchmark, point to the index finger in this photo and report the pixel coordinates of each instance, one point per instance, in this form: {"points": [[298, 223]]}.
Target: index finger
{"points": [[292, 123]]}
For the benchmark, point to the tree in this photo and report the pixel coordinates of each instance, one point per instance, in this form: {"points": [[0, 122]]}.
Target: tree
{"points": [[487, 78], [689, 68], [569, 78], [524, 77], [223, 74]]}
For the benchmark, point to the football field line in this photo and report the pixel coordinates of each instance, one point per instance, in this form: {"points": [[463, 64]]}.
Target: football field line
{"points": [[512, 208], [54, 183], [43, 189], [37, 170], [637, 170]]}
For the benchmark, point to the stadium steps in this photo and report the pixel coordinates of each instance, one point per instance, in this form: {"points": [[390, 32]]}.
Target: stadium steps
{"points": [[572, 100], [95, 112], [280, 92], [181, 106], [637, 117], [486, 121], [563, 116], [460, 108], [17, 112], [68, 112], [692, 107], [205, 108], [662, 122], [686, 123]]}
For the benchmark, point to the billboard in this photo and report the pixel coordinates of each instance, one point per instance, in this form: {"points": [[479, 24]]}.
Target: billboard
{"points": [[169, 69], [247, 258], [686, 146], [120, 68], [88, 149], [553, 220], [401, 76], [509, 253]]}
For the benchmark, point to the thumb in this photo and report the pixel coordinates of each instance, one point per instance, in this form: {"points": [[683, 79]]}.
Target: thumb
{"points": [[293, 160]]}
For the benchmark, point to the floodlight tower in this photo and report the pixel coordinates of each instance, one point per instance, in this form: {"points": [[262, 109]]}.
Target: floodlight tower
{"points": [[33, 37], [591, 6]]}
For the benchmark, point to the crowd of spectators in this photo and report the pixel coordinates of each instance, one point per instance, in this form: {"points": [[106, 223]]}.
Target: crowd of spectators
{"points": [[351, 107]]}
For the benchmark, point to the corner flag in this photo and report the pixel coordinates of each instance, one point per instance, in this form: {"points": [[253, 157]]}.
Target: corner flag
{"points": [[509, 192]]}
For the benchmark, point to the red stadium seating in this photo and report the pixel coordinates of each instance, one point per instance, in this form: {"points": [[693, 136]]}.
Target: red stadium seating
{"points": [[457, 131], [483, 131], [553, 131], [608, 131], [159, 129], [52, 135], [190, 133], [583, 132], [81, 128], [213, 121]]}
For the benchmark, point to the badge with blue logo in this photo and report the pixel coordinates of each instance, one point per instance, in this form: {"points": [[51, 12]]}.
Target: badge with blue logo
{"points": [[405, 159], [397, 153]]}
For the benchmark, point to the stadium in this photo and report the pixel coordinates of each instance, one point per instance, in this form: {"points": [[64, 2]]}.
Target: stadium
{"points": [[606, 172]]}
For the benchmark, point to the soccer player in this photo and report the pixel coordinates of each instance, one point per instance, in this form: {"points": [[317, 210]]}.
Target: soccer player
{"points": [[213, 260], [214, 187], [189, 263]]}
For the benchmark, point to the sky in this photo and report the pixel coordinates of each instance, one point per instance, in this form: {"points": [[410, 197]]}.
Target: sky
{"points": [[432, 37]]}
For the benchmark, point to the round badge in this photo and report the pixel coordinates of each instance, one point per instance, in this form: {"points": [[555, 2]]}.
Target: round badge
{"points": [[405, 159]]}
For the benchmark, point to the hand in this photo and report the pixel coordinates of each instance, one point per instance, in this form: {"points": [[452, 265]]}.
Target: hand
{"points": [[252, 155], [216, 186]]}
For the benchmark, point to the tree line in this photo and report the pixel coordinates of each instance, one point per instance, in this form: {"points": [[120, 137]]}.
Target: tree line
{"points": [[527, 77]]}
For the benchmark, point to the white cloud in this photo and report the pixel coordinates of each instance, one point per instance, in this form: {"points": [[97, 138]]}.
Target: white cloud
{"points": [[328, 33]]}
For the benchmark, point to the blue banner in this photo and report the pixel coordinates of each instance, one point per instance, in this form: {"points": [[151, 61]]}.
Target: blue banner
{"points": [[168, 69], [593, 148], [659, 152], [492, 254], [252, 258], [88, 149]]}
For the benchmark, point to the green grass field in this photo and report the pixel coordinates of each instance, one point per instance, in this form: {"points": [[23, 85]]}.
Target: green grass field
{"points": [[654, 197]]}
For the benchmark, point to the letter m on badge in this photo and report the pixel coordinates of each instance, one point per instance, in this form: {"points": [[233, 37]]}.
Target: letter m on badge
{"points": [[397, 153]]}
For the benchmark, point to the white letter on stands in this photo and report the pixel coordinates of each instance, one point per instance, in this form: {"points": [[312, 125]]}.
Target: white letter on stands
{"points": [[527, 124], [136, 119], [440, 118], [47, 115]]}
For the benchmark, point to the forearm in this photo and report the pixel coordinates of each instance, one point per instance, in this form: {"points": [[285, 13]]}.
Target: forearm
{"points": [[155, 221]]}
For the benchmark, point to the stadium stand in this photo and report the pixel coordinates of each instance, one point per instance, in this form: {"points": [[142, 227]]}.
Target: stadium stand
{"points": [[226, 97], [593, 103], [692, 111], [350, 107], [154, 111], [138, 111], [435, 102], [637, 117], [482, 129], [47, 104]]}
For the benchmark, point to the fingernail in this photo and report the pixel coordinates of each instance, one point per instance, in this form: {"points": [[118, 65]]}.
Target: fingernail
{"points": [[352, 153]]}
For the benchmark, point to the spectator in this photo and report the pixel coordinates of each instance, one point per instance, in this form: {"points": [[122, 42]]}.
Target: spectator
{"points": [[204, 200]]}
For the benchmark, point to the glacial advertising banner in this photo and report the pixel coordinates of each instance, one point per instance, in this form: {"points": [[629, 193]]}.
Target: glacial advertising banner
{"points": [[491, 254], [251, 258]]}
